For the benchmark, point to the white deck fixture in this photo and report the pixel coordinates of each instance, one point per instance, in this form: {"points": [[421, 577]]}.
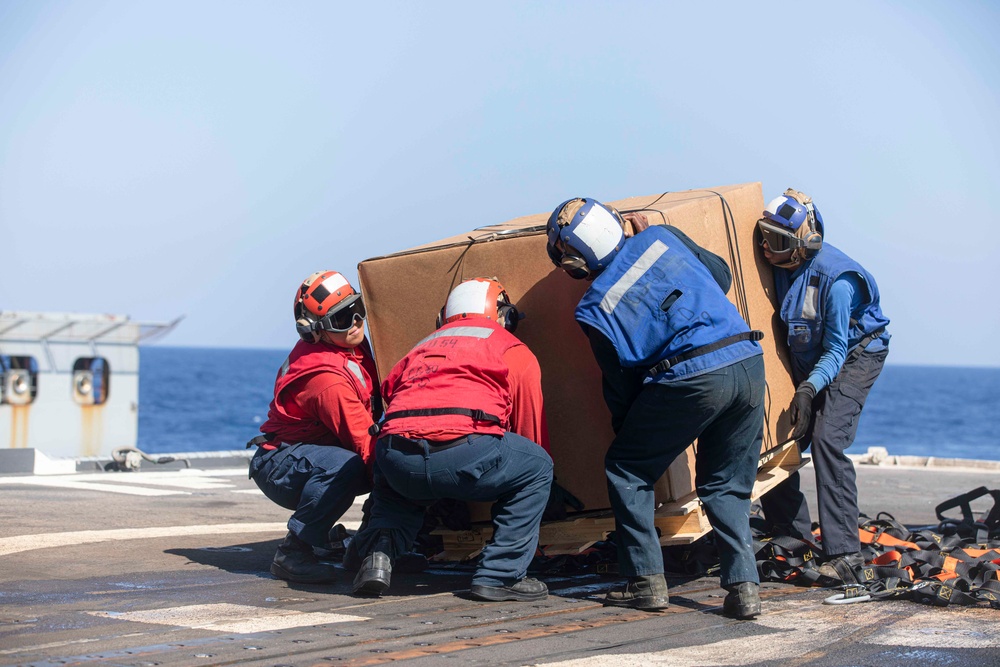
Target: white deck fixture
{"points": [[69, 383]]}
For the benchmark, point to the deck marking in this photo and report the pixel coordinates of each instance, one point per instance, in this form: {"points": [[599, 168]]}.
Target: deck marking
{"points": [[19, 543], [235, 618], [62, 483], [135, 483], [939, 629], [805, 628]]}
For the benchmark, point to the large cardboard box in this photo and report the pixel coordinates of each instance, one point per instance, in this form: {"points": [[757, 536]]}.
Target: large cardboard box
{"points": [[405, 291]]}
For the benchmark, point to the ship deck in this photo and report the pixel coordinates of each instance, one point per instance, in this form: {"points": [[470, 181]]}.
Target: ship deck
{"points": [[170, 567]]}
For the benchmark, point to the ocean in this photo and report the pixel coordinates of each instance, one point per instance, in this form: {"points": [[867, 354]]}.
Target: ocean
{"points": [[209, 399]]}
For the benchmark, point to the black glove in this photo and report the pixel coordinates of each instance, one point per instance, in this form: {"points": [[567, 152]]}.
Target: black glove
{"points": [[559, 498], [801, 410]]}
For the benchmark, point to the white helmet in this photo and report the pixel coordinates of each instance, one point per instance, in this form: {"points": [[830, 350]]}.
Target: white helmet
{"points": [[584, 236], [480, 297]]}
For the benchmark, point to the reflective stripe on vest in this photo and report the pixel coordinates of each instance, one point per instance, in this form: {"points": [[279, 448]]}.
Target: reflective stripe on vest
{"points": [[657, 301], [631, 277], [460, 365]]}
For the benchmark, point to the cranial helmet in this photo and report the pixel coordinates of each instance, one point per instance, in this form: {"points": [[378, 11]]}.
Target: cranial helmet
{"points": [[792, 227], [480, 297], [325, 301], [584, 236]]}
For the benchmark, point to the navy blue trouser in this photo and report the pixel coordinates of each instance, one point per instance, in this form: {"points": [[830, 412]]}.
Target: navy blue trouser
{"points": [[318, 482], [510, 471], [836, 411], [724, 410]]}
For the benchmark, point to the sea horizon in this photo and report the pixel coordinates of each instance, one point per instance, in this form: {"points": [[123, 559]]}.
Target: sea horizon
{"points": [[201, 398]]}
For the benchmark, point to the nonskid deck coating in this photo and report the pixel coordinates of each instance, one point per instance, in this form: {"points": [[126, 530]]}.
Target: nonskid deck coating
{"points": [[174, 581]]}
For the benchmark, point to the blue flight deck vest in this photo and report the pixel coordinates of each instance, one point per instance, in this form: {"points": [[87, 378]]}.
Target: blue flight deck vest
{"points": [[803, 294], [657, 300]]}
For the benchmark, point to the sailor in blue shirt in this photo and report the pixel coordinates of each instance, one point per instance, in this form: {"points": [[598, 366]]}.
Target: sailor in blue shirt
{"points": [[838, 342], [678, 364]]}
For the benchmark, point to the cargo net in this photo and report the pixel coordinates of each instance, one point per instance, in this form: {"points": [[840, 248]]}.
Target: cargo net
{"points": [[955, 562]]}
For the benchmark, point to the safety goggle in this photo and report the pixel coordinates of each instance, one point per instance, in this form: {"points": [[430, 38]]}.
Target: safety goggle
{"points": [[777, 238], [569, 260], [343, 317]]}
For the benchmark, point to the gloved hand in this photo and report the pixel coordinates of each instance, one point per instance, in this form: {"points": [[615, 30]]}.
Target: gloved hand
{"points": [[634, 223], [559, 498], [452, 514], [801, 409]]}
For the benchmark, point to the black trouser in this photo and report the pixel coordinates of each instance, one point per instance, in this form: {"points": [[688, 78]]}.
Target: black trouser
{"points": [[836, 411], [318, 482]]}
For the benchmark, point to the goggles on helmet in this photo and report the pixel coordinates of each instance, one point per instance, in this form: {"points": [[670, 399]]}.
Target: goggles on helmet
{"points": [[777, 237], [343, 317]]}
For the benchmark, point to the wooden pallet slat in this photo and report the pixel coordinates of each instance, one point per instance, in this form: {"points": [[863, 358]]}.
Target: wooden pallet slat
{"points": [[681, 521]]}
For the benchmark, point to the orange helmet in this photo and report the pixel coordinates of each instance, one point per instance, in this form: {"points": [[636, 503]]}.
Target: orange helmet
{"points": [[325, 301], [480, 297]]}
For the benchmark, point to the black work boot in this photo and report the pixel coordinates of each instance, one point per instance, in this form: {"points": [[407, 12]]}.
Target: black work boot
{"points": [[526, 590], [647, 592], [842, 568], [335, 545], [411, 562], [295, 561], [374, 576], [743, 600]]}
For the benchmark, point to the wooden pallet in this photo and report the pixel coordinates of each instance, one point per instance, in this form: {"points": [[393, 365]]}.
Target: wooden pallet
{"points": [[680, 522]]}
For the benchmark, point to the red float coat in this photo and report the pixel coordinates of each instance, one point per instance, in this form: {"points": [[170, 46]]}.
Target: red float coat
{"points": [[324, 395], [475, 364]]}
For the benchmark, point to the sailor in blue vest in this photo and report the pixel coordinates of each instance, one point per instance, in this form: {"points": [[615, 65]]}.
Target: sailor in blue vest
{"points": [[838, 342], [678, 364]]}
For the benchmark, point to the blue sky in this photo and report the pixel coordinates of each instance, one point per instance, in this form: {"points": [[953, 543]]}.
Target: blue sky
{"points": [[201, 158]]}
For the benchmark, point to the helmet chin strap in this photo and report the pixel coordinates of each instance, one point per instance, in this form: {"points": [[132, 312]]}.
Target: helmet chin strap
{"points": [[793, 262]]}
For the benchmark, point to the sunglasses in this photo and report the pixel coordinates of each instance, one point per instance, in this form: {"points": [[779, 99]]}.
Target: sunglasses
{"points": [[344, 317]]}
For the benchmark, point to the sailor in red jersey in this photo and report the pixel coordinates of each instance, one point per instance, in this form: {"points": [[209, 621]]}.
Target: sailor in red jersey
{"points": [[464, 422], [316, 450]]}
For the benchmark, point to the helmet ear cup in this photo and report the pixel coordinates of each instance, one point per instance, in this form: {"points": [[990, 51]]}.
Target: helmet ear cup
{"points": [[510, 315], [306, 330], [812, 238], [440, 318]]}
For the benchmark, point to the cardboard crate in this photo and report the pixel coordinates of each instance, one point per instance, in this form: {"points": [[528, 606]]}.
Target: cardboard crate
{"points": [[405, 291]]}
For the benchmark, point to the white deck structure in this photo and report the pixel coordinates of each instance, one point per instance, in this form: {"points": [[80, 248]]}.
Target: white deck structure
{"points": [[69, 383]]}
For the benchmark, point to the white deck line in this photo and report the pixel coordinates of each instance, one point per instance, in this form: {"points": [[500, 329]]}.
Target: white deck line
{"points": [[21, 543]]}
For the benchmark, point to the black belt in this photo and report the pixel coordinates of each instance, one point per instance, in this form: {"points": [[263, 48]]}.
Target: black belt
{"points": [[402, 444], [477, 415], [666, 364], [260, 440]]}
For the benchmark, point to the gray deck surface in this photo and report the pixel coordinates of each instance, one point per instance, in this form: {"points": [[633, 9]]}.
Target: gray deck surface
{"points": [[91, 575]]}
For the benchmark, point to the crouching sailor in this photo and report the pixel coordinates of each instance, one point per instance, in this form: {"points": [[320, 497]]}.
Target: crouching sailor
{"points": [[316, 449], [464, 422]]}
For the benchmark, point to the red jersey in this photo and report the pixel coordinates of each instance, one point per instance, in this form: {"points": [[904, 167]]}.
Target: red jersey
{"points": [[325, 395], [471, 364]]}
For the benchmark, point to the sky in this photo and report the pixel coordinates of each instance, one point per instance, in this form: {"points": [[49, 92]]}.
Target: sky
{"points": [[200, 159]]}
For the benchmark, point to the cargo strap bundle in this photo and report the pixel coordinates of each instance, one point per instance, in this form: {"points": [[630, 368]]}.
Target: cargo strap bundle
{"points": [[955, 562]]}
